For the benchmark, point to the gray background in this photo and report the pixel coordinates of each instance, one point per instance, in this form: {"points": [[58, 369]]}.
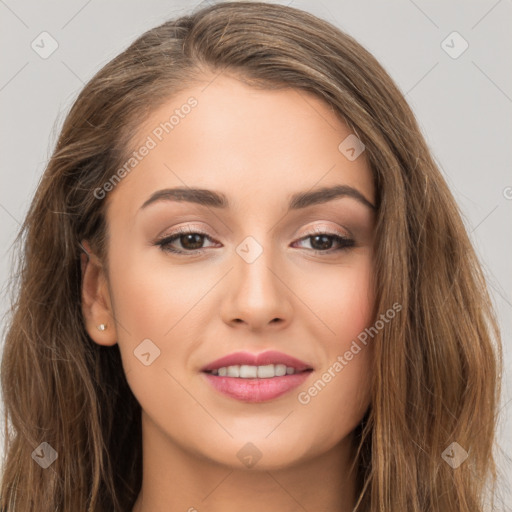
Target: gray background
{"points": [[463, 105]]}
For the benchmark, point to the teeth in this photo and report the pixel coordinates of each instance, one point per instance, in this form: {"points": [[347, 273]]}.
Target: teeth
{"points": [[245, 371], [233, 371], [280, 370], [248, 372], [265, 372]]}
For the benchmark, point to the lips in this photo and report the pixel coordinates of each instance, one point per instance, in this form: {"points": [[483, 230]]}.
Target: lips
{"points": [[262, 359], [256, 377]]}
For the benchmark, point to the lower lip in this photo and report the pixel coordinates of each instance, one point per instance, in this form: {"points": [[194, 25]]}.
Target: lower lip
{"points": [[256, 390]]}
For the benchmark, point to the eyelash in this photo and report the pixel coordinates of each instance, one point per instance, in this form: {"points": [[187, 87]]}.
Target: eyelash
{"points": [[164, 243]]}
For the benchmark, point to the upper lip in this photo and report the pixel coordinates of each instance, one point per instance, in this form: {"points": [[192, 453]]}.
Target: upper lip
{"points": [[262, 359]]}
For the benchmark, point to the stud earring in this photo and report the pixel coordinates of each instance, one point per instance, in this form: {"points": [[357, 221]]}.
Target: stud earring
{"points": [[102, 327]]}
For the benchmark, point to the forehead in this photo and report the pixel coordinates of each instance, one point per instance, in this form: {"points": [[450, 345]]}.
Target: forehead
{"points": [[258, 146]]}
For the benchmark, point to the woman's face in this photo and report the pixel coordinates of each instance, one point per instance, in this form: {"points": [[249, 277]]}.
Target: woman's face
{"points": [[252, 273]]}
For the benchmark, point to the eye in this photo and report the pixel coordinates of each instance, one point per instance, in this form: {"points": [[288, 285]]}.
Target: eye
{"points": [[191, 241], [322, 242]]}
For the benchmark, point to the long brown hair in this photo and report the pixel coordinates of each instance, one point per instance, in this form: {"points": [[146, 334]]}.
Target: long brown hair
{"points": [[436, 375]]}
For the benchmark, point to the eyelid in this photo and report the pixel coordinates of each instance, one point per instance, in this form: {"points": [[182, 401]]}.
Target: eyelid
{"points": [[190, 228], [166, 240], [327, 230], [183, 230]]}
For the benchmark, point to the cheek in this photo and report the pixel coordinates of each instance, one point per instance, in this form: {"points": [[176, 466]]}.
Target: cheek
{"points": [[344, 301], [352, 305], [150, 301], [158, 311]]}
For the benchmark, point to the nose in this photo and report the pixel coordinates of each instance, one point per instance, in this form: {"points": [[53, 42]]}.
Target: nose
{"points": [[257, 295]]}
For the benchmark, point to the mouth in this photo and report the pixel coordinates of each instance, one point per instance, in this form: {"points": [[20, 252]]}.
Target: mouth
{"points": [[245, 371], [256, 377]]}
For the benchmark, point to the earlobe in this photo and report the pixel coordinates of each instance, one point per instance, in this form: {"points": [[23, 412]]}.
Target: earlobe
{"points": [[96, 303]]}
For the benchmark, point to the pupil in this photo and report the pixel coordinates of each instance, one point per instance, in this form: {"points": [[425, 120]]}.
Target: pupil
{"points": [[199, 240], [325, 245]]}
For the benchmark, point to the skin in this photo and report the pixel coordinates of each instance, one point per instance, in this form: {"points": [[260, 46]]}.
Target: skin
{"points": [[258, 147]]}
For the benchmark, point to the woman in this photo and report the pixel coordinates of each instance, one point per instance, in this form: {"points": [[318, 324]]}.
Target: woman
{"points": [[245, 284]]}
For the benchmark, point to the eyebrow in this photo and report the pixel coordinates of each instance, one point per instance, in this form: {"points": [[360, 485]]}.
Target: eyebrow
{"points": [[298, 200]]}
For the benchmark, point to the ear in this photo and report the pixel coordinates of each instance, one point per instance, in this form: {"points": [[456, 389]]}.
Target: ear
{"points": [[96, 303]]}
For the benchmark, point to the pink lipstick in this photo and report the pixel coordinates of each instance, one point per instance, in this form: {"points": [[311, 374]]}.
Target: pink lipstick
{"points": [[256, 377]]}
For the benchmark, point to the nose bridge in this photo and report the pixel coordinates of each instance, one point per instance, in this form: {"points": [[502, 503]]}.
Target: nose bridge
{"points": [[253, 268], [257, 294]]}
